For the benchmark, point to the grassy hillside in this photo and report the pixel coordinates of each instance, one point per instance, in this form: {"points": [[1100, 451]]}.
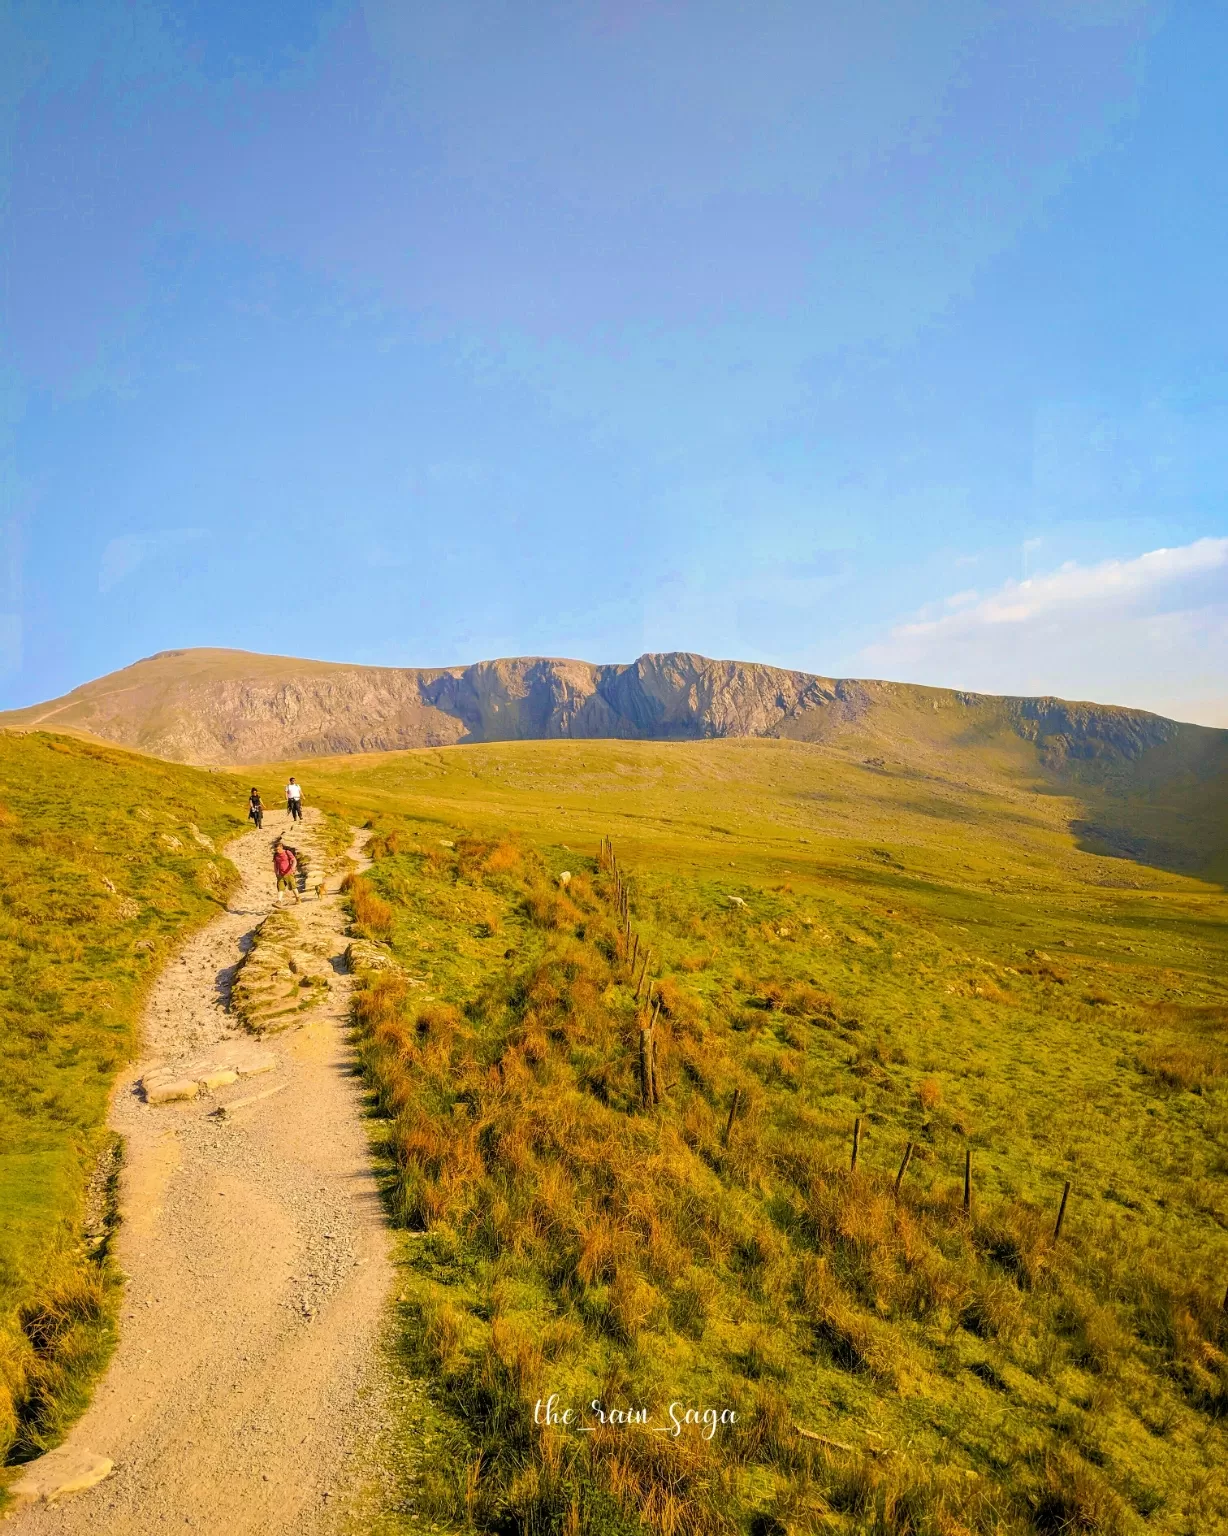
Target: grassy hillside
{"points": [[933, 945], [108, 858]]}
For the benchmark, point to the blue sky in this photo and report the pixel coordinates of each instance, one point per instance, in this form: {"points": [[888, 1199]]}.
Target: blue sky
{"points": [[872, 338]]}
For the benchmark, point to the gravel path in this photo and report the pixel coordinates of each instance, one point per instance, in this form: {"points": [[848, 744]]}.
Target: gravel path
{"points": [[246, 1382]]}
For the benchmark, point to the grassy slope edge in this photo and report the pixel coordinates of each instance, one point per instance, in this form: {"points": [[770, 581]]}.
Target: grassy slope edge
{"points": [[108, 859]]}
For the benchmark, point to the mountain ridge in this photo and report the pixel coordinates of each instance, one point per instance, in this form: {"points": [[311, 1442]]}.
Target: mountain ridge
{"points": [[217, 707]]}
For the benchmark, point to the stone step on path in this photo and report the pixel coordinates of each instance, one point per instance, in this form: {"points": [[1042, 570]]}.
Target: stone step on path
{"points": [[224, 1064], [68, 1469]]}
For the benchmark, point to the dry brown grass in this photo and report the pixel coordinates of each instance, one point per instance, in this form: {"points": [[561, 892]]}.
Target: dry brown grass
{"points": [[1190, 1064], [372, 914], [929, 1093]]}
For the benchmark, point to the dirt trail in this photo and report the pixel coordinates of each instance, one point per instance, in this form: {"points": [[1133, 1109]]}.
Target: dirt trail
{"points": [[246, 1378]]}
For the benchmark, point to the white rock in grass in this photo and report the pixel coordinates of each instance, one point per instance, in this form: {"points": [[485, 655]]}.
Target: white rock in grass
{"points": [[362, 955]]}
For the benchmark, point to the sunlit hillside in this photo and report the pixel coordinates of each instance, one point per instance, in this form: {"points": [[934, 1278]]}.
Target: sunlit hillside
{"points": [[991, 953], [977, 949]]}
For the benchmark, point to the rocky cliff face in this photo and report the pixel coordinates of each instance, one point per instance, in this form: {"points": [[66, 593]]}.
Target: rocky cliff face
{"points": [[225, 707]]}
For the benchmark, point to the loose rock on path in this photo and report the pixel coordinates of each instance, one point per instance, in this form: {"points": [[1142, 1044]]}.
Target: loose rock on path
{"points": [[246, 1382]]}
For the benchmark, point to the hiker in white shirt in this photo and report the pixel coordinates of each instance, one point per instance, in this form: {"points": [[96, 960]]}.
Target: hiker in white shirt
{"points": [[294, 800]]}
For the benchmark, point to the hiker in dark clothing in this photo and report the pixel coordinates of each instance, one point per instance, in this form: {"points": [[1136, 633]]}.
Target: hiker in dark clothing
{"points": [[255, 808]]}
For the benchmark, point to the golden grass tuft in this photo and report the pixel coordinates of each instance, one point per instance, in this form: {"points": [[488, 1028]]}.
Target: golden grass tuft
{"points": [[372, 916], [1191, 1065], [929, 1094]]}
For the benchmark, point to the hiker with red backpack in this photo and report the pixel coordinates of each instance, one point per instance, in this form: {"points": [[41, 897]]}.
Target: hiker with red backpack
{"points": [[285, 869]]}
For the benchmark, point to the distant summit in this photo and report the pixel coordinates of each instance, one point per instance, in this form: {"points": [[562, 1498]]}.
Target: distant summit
{"points": [[222, 707]]}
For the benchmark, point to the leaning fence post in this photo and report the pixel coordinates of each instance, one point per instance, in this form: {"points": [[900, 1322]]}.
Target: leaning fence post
{"points": [[733, 1110], [1061, 1216], [856, 1144], [899, 1178], [648, 1060], [643, 972]]}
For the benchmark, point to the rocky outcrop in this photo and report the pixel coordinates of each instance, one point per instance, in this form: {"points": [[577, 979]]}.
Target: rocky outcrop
{"points": [[225, 707], [283, 975]]}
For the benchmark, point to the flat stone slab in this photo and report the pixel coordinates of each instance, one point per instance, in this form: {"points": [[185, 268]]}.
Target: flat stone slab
{"points": [[165, 1088], [225, 1064], [67, 1469]]}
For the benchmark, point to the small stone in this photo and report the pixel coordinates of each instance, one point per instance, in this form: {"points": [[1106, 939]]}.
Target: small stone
{"points": [[67, 1469]]}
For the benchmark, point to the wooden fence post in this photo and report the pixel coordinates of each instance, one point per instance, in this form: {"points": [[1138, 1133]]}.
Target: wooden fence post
{"points": [[1061, 1217], [635, 954], [649, 1090], [733, 1110], [643, 973], [967, 1180], [856, 1144], [899, 1178]]}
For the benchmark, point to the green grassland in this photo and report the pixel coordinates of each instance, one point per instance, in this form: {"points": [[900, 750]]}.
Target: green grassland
{"points": [[947, 943], [107, 859], [971, 941]]}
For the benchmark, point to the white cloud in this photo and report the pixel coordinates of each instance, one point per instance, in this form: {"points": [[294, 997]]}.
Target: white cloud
{"points": [[1150, 632]]}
